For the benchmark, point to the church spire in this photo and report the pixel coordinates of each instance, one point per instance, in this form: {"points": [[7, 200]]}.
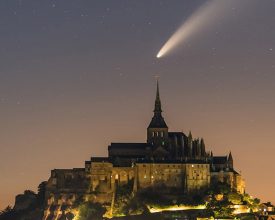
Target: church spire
{"points": [[157, 109], [157, 120]]}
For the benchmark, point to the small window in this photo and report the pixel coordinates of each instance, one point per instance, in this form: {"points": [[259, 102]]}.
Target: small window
{"points": [[161, 134], [153, 134]]}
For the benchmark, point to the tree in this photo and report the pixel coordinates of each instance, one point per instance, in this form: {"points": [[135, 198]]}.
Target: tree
{"points": [[220, 209], [251, 202], [219, 188], [91, 211], [6, 210], [41, 193], [8, 214], [235, 198]]}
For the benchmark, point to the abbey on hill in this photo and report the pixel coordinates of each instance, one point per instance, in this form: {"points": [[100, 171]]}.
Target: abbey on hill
{"points": [[170, 159]]}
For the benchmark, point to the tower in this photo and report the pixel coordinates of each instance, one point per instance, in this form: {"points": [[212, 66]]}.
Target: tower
{"points": [[230, 161], [157, 131]]}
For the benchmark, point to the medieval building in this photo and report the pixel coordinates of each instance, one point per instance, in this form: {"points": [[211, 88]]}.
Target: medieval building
{"points": [[166, 158]]}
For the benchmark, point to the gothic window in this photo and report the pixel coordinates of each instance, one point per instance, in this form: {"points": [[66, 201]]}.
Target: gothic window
{"points": [[153, 134], [161, 134]]}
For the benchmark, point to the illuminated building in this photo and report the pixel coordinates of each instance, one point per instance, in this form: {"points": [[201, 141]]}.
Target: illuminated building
{"points": [[166, 160]]}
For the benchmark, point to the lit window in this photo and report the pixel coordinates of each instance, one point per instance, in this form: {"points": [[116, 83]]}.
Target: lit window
{"points": [[153, 134]]}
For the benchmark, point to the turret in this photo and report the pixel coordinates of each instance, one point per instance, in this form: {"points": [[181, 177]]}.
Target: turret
{"points": [[189, 145], [230, 161], [196, 149], [203, 153]]}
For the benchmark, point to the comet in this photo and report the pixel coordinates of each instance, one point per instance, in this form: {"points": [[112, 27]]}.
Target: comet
{"points": [[210, 13]]}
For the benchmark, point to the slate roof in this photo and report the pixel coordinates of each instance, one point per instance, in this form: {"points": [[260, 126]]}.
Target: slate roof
{"points": [[99, 159], [219, 160], [178, 134], [130, 150], [167, 161], [157, 122], [128, 146]]}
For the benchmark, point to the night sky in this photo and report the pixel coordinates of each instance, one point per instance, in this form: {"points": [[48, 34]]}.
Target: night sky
{"points": [[76, 75]]}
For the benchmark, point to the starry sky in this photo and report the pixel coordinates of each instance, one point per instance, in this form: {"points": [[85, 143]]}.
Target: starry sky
{"points": [[76, 75]]}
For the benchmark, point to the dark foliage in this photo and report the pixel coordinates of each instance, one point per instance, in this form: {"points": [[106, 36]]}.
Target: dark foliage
{"points": [[91, 211], [33, 211]]}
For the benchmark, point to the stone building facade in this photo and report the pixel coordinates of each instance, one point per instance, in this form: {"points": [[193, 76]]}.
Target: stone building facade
{"points": [[170, 159]]}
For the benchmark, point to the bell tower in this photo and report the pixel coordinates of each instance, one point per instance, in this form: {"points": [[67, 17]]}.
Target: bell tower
{"points": [[157, 131]]}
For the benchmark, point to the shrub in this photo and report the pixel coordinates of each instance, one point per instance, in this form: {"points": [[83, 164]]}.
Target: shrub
{"points": [[91, 211]]}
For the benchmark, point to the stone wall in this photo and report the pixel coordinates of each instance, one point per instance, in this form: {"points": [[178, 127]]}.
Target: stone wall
{"points": [[197, 177]]}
